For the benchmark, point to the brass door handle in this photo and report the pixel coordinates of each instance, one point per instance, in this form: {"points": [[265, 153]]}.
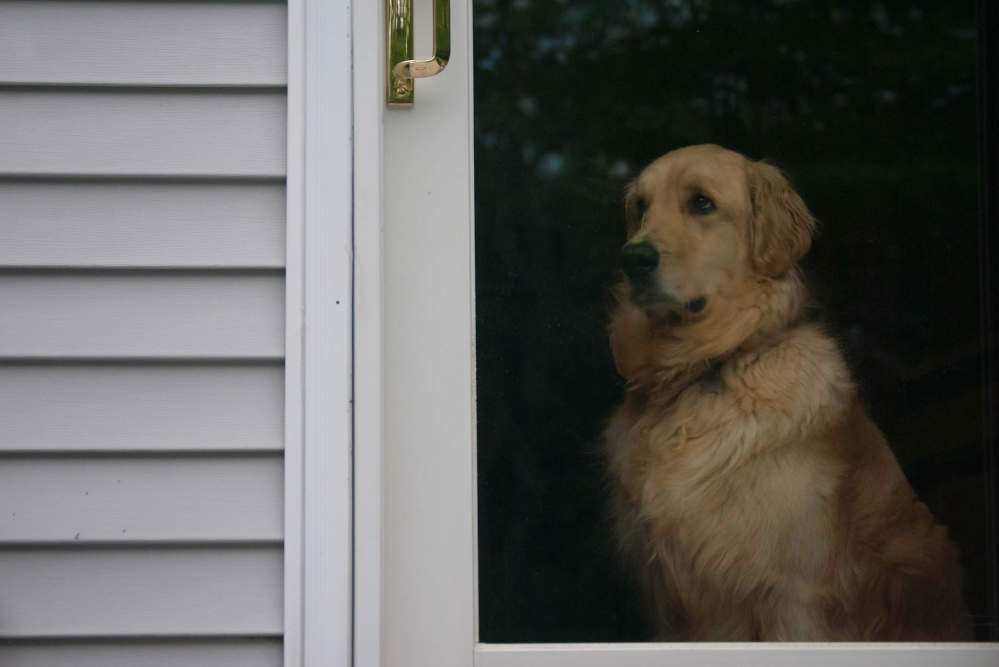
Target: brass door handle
{"points": [[402, 69]]}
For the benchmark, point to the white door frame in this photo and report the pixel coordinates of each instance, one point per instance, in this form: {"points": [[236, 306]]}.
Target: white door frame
{"points": [[405, 296], [318, 371], [415, 597]]}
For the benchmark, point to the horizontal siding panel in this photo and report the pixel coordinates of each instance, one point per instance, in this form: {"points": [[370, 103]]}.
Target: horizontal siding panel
{"points": [[149, 653], [81, 224], [142, 132], [190, 43], [164, 591], [115, 499], [143, 315], [141, 407]]}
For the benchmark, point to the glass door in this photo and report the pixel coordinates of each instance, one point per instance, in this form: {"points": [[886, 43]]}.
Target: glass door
{"points": [[873, 110]]}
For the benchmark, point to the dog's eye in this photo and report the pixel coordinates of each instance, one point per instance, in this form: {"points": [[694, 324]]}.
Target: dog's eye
{"points": [[701, 205], [640, 207], [635, 212]]}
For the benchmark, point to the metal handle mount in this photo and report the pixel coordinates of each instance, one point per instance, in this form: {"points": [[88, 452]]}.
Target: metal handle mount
{"points": [[402, 69]]}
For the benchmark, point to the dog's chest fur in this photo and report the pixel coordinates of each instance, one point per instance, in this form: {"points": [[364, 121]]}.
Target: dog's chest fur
{"points": [[722, 499]]}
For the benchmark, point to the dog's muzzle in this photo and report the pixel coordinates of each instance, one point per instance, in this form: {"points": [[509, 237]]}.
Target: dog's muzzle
{"points": [[639, 261]]}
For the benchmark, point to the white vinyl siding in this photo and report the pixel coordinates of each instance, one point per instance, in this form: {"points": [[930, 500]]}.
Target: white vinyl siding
{"points": [[144, 653], [159, 314], [142, 133], [115, 225], [113, 591], [144, 43], [149, 407], [129, 499], [142, 320]]}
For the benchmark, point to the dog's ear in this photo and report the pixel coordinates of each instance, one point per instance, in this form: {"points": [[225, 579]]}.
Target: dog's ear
{"points": [[780, 231], [634, 207]]}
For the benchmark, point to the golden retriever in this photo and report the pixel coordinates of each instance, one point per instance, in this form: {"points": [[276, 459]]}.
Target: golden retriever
{"points": [[753, 497]]}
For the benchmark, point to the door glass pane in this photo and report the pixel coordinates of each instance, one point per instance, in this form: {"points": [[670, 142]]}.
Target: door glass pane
{"points": [[872, 110]]}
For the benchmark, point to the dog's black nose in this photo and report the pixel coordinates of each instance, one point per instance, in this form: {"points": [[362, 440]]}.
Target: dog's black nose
{"points": [[638, 259]]}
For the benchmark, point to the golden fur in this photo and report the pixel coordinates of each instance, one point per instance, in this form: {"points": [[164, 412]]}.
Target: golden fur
{"points": [[753, 497]]}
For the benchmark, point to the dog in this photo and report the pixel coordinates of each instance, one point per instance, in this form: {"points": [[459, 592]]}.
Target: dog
{"points": [[753, 497]]}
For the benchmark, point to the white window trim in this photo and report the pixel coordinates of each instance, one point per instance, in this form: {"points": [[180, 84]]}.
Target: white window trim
{"points": [[379, 636]]}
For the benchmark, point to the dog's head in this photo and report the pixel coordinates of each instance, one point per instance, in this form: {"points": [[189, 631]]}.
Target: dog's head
{"points": [[707, 230]]}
